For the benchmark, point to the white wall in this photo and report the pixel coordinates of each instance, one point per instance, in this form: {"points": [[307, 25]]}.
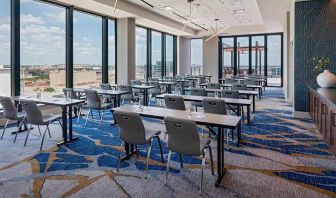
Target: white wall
{"points": [[184, 63], [210, 58]]}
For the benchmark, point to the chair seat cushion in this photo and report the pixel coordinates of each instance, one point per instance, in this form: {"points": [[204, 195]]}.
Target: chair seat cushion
{"points": [[49, 118], [21, 115]]}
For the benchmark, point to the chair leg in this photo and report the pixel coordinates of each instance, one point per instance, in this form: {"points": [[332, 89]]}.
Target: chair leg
{"points": [[119, 159], [60, 123], [87, 116], [39, 130], [136, 150], [158, 138], [91, 114], [28, 134], [202, 170], [181, 160], [49, 132], [44, 137], [3, 132], [79, 115], [211, 160], [167, 168], [17, 131], [101, 117], [148, 156]]}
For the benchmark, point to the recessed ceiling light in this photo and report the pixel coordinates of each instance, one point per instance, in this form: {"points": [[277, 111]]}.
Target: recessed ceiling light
{"points": [[168, 8], [237, 11]]}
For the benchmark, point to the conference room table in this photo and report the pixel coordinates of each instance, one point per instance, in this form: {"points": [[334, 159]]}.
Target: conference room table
{"points": [[229, 101], [168, 85], [66, 106], [194, 80], [144, 90], [182, 83], [253, 87], [113, 93], [221, 122]]}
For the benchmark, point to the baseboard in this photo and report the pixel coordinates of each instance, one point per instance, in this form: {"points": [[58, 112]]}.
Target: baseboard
{"points": [[301, 114]]}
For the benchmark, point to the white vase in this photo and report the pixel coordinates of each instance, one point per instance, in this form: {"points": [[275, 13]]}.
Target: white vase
{"points": [[326, 79]]}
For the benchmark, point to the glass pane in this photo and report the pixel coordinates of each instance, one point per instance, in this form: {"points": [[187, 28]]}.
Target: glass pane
{"points": [[243, 55], [156, 55], [228, 54], [5, 74], [87, 43], [196, 47], [111, 52], [141, 53], [42, 34], [258, 55], [169, 56], [274, 60]]}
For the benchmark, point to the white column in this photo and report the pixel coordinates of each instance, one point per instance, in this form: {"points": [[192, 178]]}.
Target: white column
{"points": [[210, 58]]}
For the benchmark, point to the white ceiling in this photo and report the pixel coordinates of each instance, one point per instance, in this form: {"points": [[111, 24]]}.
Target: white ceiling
{"points": [[256, 16]]}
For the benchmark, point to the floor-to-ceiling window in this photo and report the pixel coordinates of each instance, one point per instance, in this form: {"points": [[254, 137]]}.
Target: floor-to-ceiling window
{"points": [[111, 51], [227, 57], [42, 37], [258, 55], [196, 47], [243, 55], [141, 53], [169, 55], [156, 66], [274, 61], [5, 75], [87, 50]]}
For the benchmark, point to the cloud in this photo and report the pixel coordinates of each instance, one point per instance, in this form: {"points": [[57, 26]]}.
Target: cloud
{"points": [[56, 17], [30, 19], [5, 28]]}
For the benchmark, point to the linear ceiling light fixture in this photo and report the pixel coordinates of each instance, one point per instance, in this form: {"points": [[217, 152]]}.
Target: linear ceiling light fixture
{"points": [[115, 5], [145, 2], [217, 32], [191, 14]]}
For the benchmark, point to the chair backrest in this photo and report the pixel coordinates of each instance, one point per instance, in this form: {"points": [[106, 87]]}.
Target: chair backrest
{"points": [[182, 136], [174, 102], [197, 92], [135, 82], [131, 127], [156, 84], [34, 114], [69, 92], [230, 81], [213, 86], [239, 87], [105, 86], [9, 110], [93, 100], [214, 105], [125, 88], [250, 81], [230, 94]]}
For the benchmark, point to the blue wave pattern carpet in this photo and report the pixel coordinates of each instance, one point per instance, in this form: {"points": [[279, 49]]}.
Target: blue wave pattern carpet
{"points": [[280, 156]]}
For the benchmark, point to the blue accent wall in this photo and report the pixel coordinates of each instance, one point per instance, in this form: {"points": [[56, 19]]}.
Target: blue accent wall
{"points": [[315, 35]]}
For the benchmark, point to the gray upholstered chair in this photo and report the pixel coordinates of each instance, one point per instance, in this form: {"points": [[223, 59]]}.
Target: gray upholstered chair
{"points": [[234, 94], [197, 92], [239, 87], [106, 86], [156, 90], [133, 131], [230, 81], [11, 114], [250, 81], [136, 82], [183, 138], [153, 79], [93, 103], [35, 117], [129, 97], [70, 93], [214, 105], [174, 102], [212, 86]]}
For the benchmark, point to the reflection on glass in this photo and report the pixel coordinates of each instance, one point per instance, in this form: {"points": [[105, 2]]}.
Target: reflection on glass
{"points": [[5, 48], [243, 55], [169, 56], [141, 53], [274, 60], [42, 35], [258, 55], [196, 47], [87, 44], [111, 52], [228, 54], [156, 55]]}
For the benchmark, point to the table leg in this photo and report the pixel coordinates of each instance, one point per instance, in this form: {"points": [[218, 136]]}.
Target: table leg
{"points": [[118, 100], [260, 93], [254, 103], [248, 114], [239, 134], [145, 95], [220, 156], [65, 125], [169, 89]]}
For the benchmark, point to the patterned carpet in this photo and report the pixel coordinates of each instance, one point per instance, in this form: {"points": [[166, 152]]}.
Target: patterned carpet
{"points": [[280, 156]]}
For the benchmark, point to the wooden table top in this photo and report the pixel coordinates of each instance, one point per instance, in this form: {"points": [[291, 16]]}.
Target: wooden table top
{"points": [[104, 92], [243, 92], [191, 98], [249, 86], [50, 100], [160, 113], [142, 86]]}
